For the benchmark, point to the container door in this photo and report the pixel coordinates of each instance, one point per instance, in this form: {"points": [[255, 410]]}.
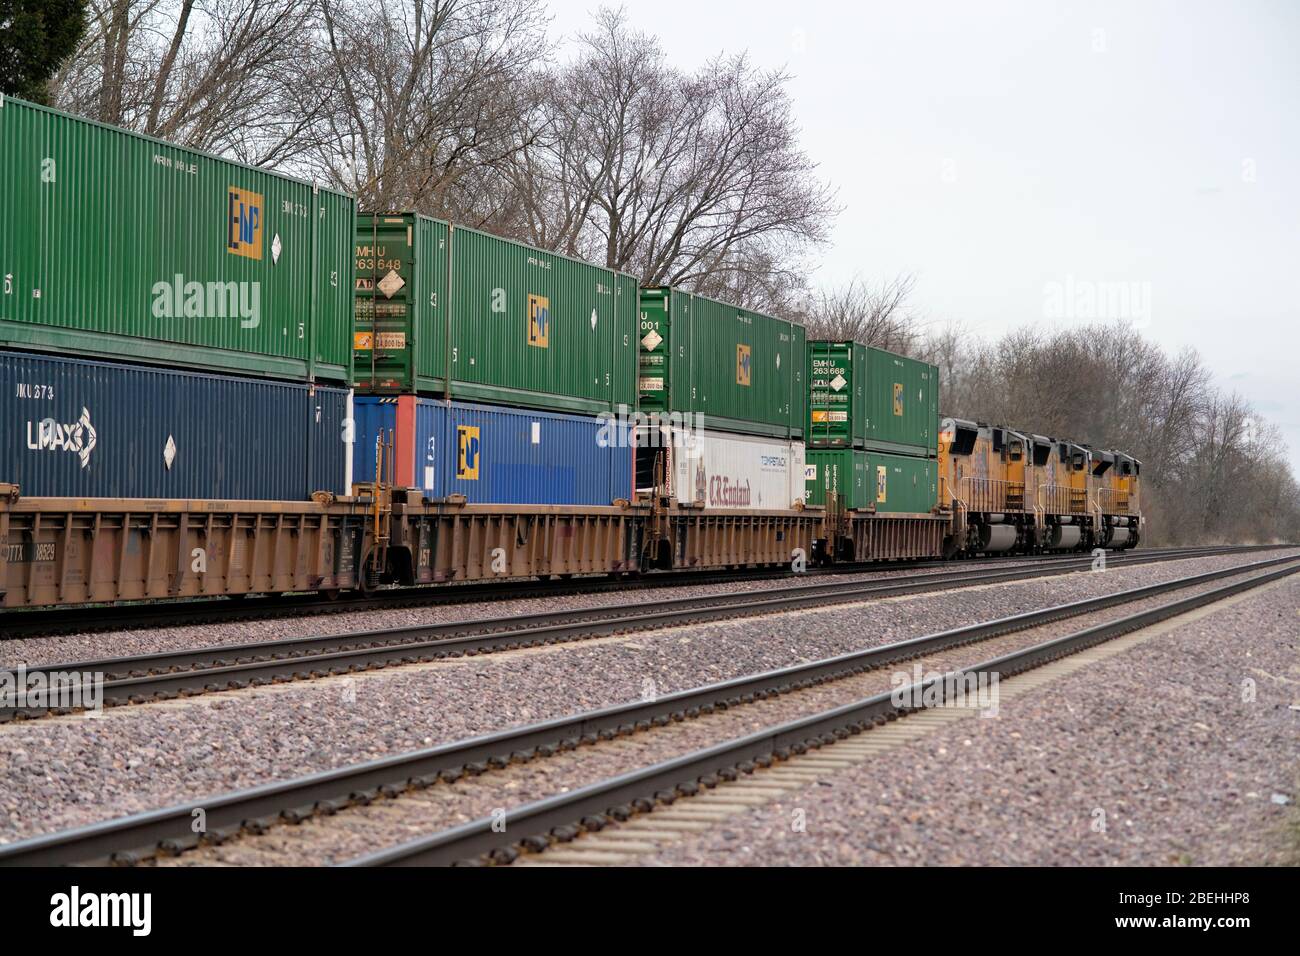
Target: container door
{"points": [[386, 290], [654, 350], [830, 394]]}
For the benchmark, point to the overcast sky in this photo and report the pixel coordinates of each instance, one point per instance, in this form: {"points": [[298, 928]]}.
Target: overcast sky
{"points": [[1019, 157]]}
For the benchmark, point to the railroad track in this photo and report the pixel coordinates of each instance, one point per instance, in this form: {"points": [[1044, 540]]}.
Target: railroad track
{"points": [[564, 818], [537, 825], [43, 622], [170, 674]]}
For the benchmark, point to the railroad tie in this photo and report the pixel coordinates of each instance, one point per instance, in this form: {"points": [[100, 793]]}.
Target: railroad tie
{"points": [[653, 832]]}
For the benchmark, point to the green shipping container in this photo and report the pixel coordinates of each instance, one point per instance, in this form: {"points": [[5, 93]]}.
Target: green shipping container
{"points": [[741, 370], [501, 321], [860, 397], [865, 481], [122, 246]]}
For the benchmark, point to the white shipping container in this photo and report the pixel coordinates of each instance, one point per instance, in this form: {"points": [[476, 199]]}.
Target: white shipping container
{"points": [[718, 470]]}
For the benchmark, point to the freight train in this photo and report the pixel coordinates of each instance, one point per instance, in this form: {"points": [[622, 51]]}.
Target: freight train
{"points": [[219, 380]]}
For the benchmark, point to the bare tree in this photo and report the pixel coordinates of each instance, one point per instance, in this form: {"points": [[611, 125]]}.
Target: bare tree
{"points": [[685, 179], [225, 76], [878, 316], [433, 97]]}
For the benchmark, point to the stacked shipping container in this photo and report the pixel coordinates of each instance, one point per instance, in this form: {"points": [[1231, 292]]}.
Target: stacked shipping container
{"points": [[448, 311], [495, 454], [872, 429], [738, 370], [729, 384], [87, 429], [449, 318], [720, 470], [872, 480], [117, 247], [860, 397], [121, 246]]}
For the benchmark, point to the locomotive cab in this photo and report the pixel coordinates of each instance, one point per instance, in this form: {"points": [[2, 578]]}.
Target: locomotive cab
{"points": [[1062, 496], [1118, 507], [984, 471]]}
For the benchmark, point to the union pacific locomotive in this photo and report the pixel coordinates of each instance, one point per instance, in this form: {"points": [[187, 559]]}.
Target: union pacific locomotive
{"points": [[1013, 491]]}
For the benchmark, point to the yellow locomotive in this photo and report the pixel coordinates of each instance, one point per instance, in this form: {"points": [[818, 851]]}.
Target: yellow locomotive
{"points": [[1115, 477], [1009, 491]]}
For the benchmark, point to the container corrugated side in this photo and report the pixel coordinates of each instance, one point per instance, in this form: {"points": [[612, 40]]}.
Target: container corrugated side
{"points": [[512, 324], [717, 470], [837, 471], [84, 428], [535, 328], [902, 405], [865, 481], [121, 246], [904, 484], [495, 455], [334, 273], [742, 370]]}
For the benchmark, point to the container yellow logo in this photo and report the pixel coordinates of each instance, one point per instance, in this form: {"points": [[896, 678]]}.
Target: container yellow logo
{"points": [[744, 363], [898, 398], [882, 479], [362, 341], [244, 223], [468, 452], [539, 321]]}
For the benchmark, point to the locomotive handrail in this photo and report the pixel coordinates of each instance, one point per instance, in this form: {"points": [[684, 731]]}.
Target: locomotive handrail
{"points": [[1120, 501], [1063, 495], [943, 483], [993, 494]]}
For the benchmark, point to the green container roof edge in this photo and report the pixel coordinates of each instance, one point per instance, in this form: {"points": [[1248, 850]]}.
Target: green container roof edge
{"points": [[668, 289], [872, 348], [6, 99], [492, 235]]}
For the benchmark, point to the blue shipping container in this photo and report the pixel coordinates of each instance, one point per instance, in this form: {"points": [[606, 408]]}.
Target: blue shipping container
{"points": [[496, 455], [79, 428]]}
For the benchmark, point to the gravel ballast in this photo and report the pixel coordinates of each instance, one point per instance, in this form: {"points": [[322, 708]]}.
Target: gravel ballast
{"points": [[1155, 756], [65, 648], [356, 831], [68, 771]]}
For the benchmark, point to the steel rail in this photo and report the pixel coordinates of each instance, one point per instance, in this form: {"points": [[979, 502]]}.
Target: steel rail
{"points": [[168, 674], [561, 818], [169, 830], [18, 623]]}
